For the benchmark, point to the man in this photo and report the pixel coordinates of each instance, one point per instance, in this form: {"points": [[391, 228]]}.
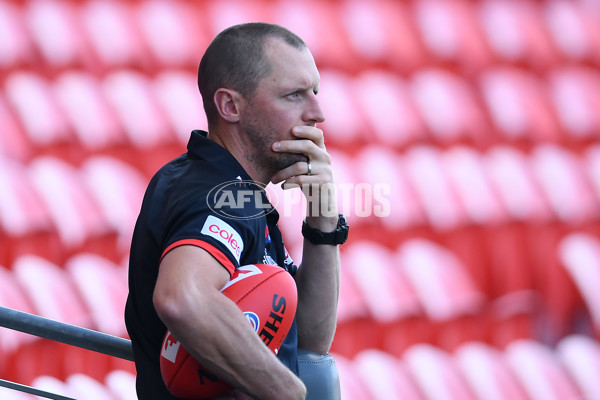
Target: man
{"points": [[259, 84]]}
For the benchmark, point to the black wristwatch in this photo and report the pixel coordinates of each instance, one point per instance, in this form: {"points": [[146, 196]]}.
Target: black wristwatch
{"points": [[338, 236]]}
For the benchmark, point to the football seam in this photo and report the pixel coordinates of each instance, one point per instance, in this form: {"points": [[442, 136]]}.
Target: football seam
{"points": [[257, 285]]}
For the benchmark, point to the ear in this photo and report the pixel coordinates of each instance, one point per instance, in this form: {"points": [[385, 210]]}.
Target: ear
{"points": [[227, 102]]}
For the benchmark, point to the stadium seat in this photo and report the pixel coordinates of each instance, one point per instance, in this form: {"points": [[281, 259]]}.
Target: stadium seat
{"points": [[55, 30], [95, 125], [99, 283], [113, 35], [540, 372], [319, 24], [32, 99], [486, 215], [395, 207], [25, 224], [9, 394], [391, 115], [429, 181], [579, 255], [575, 95], [383, 35], [580, 355], [591, 165], [174, 31], [385, 377], [351, 385], [13, 141], [518, 103], [574, 31], [121, 384], [436, 373], [517, 34], [446, 292], [345, 122], [178, 95], [84, 387], [151, 140], [487, 373], [396, 322], [73, 210], [118, 189], [449, 106], [453, 36], [52, 385], [17, 48]]}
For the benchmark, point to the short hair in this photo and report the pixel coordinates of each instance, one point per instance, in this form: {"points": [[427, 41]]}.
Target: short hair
{"points": [[235, 59]]}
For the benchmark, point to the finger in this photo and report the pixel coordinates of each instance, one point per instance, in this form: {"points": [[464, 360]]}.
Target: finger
{"points": [[297, 169], [311, 133]]}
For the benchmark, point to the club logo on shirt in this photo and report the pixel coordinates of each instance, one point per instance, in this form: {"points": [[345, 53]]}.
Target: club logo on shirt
{"points": [[228, 198], [224, 233]]}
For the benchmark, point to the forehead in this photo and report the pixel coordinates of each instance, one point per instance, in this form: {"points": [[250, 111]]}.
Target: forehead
{"points": [[290, 65]]}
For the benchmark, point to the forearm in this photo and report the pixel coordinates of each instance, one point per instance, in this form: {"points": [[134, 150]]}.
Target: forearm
{"points": [[225, 343], [318, 281]]}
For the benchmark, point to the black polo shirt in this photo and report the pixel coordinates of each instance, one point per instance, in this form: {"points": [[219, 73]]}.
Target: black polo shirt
{"points": [[206, 199]]}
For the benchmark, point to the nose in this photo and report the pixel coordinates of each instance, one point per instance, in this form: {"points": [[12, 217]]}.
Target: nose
{"points": [[313, 113]]}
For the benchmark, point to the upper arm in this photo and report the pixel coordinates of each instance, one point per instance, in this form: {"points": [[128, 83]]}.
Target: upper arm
{"points": [[186, 275]]}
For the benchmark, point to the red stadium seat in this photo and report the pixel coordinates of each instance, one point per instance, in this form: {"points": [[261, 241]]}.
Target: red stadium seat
{"points": [[519, 105], [82, 386], [13, 141], [223, 14], [25, 224], [55, 29], [95, 125], [452, 34], [436, 373], [52, 385], [385, 377], [118, 189], [174, 32], [517, 33], [487, 373], [110, 28], [540, 372], [396, 323], [46, 127], [319, 24], [345, 122], [390, 112], [121, 384], [445, 290], [73, 210], [591, 164], [383, 35], [151, 140], [426, 175], [178, 95], [17, 49], [580, 355], [575, 93], [395, 207], [575, 30], [579, 255], [351, 385], [99, 282]]}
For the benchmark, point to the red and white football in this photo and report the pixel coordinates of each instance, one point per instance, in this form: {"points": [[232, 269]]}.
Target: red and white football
{"points": [[268, 297]]}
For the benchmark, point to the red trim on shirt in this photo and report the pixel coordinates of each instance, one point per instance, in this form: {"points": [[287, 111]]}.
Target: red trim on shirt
{"points": [[212, 250]]}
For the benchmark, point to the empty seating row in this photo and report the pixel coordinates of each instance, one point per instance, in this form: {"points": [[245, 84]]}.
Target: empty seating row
{"points": [[89, 291], [402, 36], [423, 292], [525, 369], [147, 119], [54, 208]]}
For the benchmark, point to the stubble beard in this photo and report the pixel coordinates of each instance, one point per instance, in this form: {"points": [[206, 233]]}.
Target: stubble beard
{"points": [[261, 154]]}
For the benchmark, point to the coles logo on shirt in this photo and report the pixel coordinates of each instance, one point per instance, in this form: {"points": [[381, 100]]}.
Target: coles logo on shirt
{"points": [[224, 233]]}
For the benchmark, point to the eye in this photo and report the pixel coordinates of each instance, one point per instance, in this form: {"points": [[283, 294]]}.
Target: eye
{"points": [[294, 95]]}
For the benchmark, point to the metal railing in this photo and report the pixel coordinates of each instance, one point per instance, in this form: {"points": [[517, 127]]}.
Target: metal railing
{"points": [[64, 333]]}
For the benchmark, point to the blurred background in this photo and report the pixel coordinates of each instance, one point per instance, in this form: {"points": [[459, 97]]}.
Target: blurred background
{"points": [[480, 118]]}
